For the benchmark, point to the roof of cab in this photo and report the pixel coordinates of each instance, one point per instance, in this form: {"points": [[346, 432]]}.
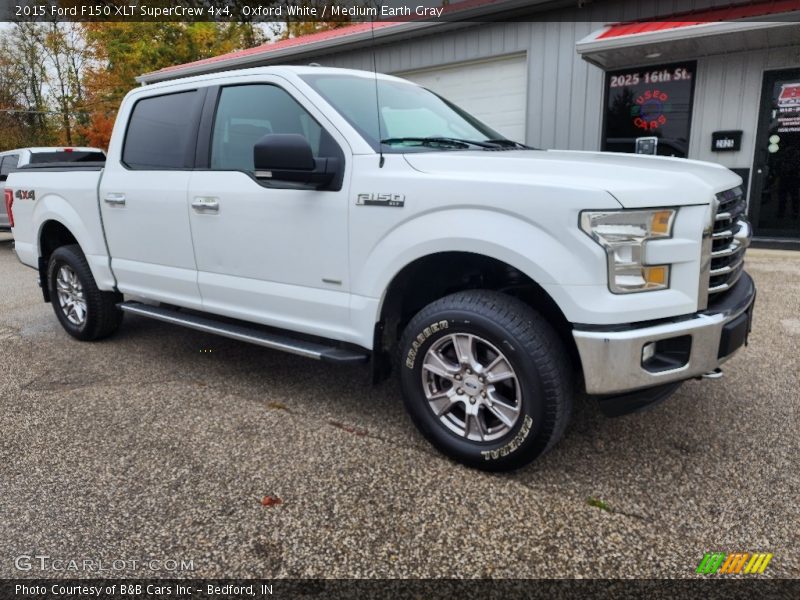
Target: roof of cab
{"points": [[41, 149], [288, 71]]}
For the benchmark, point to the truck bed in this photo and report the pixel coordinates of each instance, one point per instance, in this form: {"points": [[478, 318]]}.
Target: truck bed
{"points": [[50, 193]]}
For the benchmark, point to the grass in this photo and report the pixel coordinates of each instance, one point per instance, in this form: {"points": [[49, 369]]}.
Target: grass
{"points": [[598, 503]]}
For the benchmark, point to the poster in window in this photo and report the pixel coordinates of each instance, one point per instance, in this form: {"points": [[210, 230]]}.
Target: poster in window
{"points": [[650, 102]]}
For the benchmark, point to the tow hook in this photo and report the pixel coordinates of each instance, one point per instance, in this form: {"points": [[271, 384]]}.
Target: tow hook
{"points": [[715, 374]]}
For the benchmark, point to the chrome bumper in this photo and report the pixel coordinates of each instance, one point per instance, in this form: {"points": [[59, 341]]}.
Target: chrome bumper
{"points": [[612, 360]]}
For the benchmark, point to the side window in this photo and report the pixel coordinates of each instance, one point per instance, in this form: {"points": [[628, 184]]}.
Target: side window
{"points": [[246, 113], [10, 163], [162, 132]]}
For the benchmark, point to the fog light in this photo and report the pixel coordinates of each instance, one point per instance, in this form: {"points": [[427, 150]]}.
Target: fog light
{"points": [[648, 351]]}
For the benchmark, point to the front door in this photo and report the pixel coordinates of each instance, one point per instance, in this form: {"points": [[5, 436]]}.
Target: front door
{"points": [[268, 252], [775, 195]]}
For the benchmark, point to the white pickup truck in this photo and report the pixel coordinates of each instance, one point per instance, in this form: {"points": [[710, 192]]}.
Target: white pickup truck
{"points": [[347, 216]]}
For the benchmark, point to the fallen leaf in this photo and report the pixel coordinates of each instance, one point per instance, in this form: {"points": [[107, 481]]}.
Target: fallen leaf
{"points": [[270, 501]]}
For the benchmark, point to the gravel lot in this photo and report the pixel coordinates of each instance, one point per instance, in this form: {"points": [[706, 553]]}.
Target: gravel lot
{"points": [[161, 442]]}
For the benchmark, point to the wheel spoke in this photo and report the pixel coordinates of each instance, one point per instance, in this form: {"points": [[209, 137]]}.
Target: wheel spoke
{"points": [[464, 345], [439, 366], [480, 426], [502, 410], [442, 403], [499, 370], [80, 311], [468, 422]]}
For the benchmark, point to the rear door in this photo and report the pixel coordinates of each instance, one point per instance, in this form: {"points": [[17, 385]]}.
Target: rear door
{"points": [[269, 252], [143, 198]]}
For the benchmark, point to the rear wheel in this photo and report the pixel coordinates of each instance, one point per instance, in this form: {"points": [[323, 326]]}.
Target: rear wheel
{"points": [[85, 312], [486, 379]]}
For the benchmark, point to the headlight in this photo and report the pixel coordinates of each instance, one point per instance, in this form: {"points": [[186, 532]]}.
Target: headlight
{"points": [[623, 234]]}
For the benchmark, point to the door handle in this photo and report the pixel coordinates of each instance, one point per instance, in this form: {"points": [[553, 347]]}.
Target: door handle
{"points": [[115, 199], [206, 203]]}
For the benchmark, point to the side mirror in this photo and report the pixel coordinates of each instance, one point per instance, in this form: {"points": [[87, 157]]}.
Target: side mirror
{"points": [[288, 157]]}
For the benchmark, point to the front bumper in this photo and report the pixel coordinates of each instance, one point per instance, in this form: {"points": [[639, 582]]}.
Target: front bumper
{"points": [[694, 345]]}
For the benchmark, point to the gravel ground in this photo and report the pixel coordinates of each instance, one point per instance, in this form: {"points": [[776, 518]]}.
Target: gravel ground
{"points": [[160, 443]]}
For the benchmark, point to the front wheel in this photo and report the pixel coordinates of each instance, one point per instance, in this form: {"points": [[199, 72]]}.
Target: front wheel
{"points": [[85, 312], [485, 379]]}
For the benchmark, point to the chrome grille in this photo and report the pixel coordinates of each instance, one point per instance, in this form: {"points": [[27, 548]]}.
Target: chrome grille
{"points": [[729, 240]]}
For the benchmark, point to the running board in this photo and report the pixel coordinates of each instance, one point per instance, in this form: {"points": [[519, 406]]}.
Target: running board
{"points": [[245, 333]]}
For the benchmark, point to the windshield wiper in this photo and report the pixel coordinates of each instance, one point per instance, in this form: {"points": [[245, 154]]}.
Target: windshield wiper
{"points": [[509, 144], [444, 141]]}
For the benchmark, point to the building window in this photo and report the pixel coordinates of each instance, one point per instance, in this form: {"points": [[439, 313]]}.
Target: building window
{"points": [[651, 102]]}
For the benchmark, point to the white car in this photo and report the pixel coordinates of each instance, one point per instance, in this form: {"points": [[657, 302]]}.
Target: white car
{"points": [[280, 206], [14, 159]]}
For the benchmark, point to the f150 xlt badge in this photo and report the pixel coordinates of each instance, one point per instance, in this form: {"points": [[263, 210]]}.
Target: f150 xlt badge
{"points": [[373, 199], [25, 195]]}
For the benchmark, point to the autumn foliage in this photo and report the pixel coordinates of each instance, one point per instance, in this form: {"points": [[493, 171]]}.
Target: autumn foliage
{"points": [[122, 51]]}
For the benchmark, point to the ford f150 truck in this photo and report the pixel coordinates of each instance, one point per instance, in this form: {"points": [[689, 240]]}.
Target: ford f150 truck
{"points": [[347, 216]]}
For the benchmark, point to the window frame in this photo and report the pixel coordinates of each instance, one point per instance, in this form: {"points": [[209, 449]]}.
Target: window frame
{"points": [[190, 156], [206, 137]]}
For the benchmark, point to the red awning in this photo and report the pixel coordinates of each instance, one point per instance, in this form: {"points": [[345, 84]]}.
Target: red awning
{"points": [[687, 36], [717, 15]]}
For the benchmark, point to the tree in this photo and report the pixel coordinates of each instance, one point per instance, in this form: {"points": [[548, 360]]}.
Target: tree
{"points": [[121, 51]]}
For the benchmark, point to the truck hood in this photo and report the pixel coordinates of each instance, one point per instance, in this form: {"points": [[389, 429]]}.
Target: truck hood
{"points": [[636, 181]]}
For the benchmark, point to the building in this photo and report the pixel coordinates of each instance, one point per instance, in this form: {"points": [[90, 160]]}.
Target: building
{"points": [[703, 81]]}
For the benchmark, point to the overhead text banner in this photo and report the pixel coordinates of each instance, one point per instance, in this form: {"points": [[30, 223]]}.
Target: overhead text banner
{"points": [[346, 11]]}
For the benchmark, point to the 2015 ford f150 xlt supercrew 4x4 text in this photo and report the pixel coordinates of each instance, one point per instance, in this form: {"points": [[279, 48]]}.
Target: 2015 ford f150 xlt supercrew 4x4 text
{"points": [[348, 216]]}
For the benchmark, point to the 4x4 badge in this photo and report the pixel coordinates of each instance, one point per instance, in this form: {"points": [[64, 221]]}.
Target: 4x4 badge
{"points": [[397, 200]]}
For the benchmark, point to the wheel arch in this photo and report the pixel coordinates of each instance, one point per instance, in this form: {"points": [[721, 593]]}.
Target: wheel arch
{"points": [[433, 276], [52, 235]]}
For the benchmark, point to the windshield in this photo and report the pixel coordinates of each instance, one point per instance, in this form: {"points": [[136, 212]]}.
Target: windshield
{"points": [[412, 118]]}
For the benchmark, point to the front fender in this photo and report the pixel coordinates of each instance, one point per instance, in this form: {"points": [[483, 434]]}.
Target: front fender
{"points": [[547, 257]]}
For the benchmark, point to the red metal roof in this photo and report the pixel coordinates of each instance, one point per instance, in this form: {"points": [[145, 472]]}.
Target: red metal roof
{"points": [[731, 13], [341, 32], [288, 43]]}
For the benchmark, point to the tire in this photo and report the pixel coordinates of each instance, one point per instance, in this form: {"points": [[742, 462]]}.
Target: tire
{"points": [[85, 312], [486, 419]]}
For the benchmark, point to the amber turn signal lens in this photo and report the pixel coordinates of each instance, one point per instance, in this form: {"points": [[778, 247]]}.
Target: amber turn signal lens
{"points": [[656, 275], [661, 222]]}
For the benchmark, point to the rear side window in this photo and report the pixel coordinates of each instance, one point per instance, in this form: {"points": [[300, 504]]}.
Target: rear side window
{"points": [[10, 163], [66, 156], [162, 132]]}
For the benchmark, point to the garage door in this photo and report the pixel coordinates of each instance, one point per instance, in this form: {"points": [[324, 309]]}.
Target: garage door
{"points": [[494, 90]]}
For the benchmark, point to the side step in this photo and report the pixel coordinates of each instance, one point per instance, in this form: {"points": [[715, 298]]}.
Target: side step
{"points": [[246, 333]]}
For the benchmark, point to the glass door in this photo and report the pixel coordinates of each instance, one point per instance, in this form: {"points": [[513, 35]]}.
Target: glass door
{"points": [[775, 197]]}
